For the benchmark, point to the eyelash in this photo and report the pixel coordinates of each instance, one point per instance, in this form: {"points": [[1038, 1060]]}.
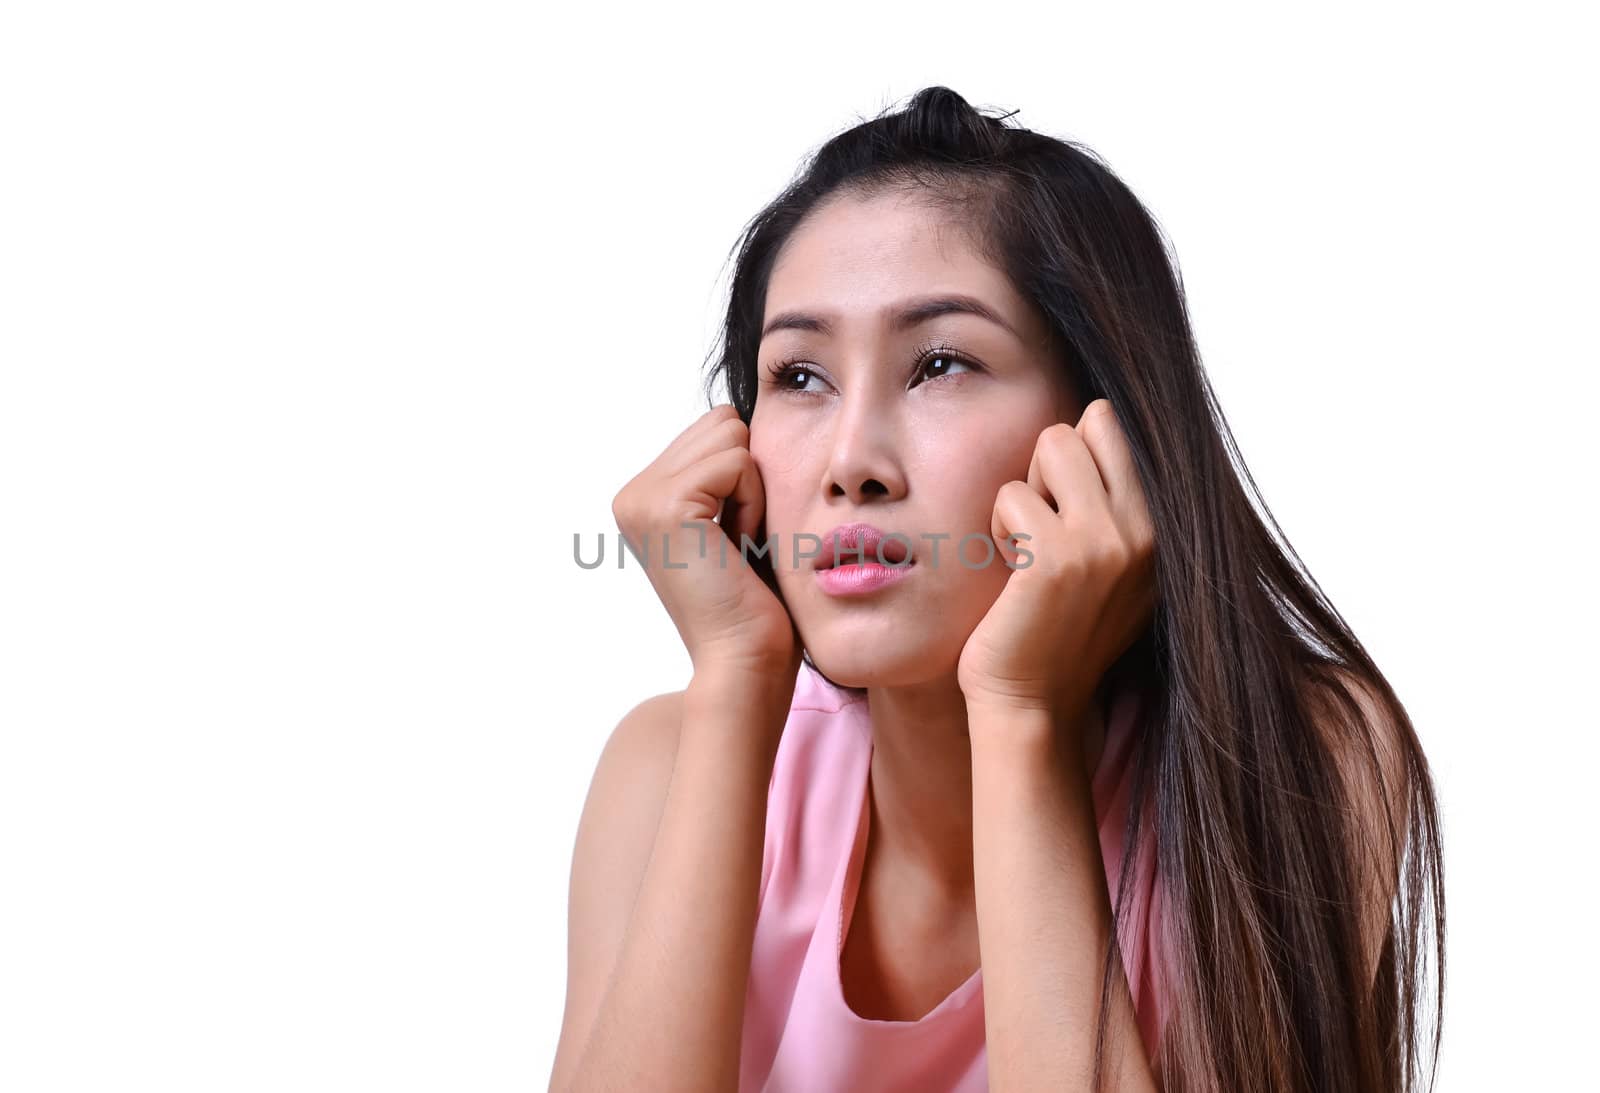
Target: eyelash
{"points": [[782, 370]]}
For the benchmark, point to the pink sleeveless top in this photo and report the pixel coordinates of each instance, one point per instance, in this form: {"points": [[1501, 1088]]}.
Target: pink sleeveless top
{"points": [[799, 1032]]}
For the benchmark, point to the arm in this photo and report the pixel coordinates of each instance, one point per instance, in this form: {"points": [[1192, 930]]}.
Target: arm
{"points": [[662, 915], [1044, 911]]}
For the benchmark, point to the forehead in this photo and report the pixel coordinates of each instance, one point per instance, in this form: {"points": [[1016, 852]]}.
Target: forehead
{"points": [[853, 256]]}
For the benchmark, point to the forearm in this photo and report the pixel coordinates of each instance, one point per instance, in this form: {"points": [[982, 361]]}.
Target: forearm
{"points": [[672, 1015], [1044, 911]]}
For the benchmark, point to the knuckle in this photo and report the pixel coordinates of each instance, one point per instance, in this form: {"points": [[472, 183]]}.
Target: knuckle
{"points": [[1098, 416], [1055, 434], [737, 456], [622, 511], [1010, 490]]}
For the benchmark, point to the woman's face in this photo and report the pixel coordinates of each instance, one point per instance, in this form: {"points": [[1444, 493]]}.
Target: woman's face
{"points": [[911, 425]]}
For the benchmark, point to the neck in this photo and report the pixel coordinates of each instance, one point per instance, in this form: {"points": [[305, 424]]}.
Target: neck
{"points": [[921, 781]]}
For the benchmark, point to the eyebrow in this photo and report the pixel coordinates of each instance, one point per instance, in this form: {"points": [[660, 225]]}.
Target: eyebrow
{"points": [[903, 317]]}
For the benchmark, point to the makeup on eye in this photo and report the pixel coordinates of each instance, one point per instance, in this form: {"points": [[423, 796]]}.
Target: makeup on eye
{"points": [[784, 369]]}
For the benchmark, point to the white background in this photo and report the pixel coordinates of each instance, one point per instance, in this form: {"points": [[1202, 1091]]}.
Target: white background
{"points": [[324, 326]]}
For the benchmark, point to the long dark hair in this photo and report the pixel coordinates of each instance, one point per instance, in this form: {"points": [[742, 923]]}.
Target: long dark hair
{"points": [[1264, 720]]}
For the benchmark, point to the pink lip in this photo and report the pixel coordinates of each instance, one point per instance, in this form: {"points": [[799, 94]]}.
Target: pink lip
{"points": [[861, 580], [860, 543]]}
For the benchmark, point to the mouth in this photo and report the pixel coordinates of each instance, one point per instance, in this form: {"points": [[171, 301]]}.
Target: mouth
{"points": [[851, 545]]}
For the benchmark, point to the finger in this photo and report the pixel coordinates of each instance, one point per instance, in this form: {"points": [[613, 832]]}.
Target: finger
{"points": [[1107, 443], [720, 412], [1064, 470], [714, 429], [729, 481], [721, 432], [1036, 480], [740, 520], [1020, 511]]}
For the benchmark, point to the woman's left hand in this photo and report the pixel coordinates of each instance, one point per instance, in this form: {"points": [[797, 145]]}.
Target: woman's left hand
{"points": [[1064, 617]]}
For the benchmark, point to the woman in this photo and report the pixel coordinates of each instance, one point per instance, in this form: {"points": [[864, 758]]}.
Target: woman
{"points": [[966, 342]]}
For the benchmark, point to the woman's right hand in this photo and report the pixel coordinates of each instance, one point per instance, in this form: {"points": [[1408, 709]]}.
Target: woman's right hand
{"points": [[726, 614]]}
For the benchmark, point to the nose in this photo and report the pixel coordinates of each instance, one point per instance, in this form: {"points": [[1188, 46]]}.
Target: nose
{"points": [[864, 459]]}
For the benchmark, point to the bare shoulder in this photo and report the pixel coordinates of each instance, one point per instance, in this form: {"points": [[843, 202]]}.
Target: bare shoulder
{"points": [[646, 737], [629, 784], [627, 791], [616, 833]]}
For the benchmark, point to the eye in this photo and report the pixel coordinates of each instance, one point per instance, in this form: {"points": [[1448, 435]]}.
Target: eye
{"points": [[783, 376], [792, 376], [937, 362]]}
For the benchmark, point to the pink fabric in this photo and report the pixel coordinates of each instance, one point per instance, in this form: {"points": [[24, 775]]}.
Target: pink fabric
{"points": [[799, 1033]]}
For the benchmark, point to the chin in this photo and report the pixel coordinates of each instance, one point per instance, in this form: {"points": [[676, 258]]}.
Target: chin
{"points": [[855, 663]]}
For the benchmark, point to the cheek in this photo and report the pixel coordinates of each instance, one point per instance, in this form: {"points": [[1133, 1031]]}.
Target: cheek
{"points": [[974, 459], [784, 481], [777, 442]]}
